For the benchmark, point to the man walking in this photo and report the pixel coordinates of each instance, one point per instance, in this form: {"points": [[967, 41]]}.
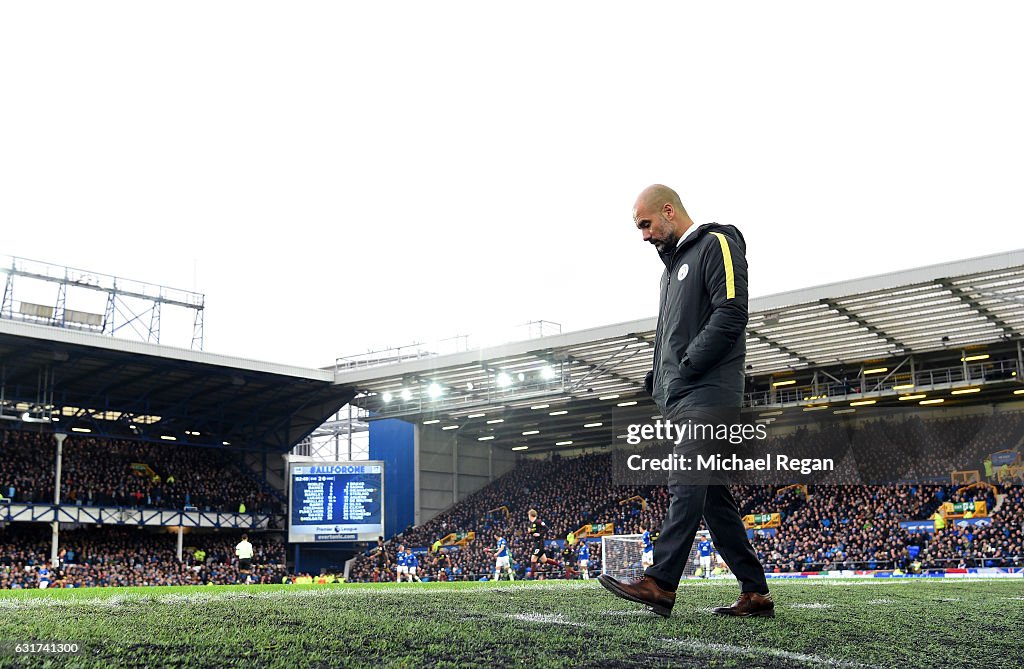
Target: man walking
{"points": [[698, 375]]}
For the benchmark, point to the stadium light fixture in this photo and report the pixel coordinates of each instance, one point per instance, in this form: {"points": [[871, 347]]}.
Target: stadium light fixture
{"points": [[966, 391], [788, 382], [529, 432], [608, 397], [771, 413], [434, 391], [860, 403], [432, 421], [81, 429], [626, 404], [495, 421], [876, 370], [225, 443], [935, 401], [540, 406], [563, 443], [558, 413], [519, 448], [816, 408], [521, 377], [387, 397], [488, 438], [167, 437], [450, 427], [504, 380], [547, 372], [904, 386], [913, 397], [593, 424], [406, 394], [476, 415], [469, 386], [972, 358], [844, 411]]}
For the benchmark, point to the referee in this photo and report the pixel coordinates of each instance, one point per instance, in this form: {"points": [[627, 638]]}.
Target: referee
{"points": [[244, 552], [699, 352]]}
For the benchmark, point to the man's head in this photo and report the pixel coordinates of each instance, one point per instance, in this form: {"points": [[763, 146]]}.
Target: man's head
{"points": [[401, 548], [245, 537], [532, 515], [660, 217]]}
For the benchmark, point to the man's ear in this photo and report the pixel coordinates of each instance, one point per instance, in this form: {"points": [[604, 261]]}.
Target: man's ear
{"points": [[668, 211]]}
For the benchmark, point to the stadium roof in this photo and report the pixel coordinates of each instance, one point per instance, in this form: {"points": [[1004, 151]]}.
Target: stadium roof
{"points": [[956, 305], [106, 385]]}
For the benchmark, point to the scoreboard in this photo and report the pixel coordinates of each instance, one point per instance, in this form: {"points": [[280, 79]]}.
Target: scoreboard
{"points": [[335, 501]]}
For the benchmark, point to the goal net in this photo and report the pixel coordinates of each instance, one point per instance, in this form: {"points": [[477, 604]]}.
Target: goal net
{"points": [[620, 555]]}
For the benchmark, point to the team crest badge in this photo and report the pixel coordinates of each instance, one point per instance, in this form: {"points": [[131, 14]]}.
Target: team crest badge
{"points": [[683, 271]]}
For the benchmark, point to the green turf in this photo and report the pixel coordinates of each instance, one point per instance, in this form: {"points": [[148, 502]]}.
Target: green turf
{"points": [[900, 623]]}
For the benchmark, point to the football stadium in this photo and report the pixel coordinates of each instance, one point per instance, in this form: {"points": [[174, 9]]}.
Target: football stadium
{"points": [[165, 506], [568, 335]]}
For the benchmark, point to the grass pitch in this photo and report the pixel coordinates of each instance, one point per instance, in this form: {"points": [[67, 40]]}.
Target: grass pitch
{"points": [[866, 623]]}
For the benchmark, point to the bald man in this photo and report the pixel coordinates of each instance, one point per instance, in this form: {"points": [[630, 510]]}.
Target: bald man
{"points": [[699, 353]]}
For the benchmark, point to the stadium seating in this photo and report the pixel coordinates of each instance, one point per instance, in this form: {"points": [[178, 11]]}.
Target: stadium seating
{"points": [[99, 471], [117, 556], [832, 527]]}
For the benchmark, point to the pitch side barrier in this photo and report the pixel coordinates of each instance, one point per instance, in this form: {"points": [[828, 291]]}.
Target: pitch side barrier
{"points": [[979, 572], [123, 515]]}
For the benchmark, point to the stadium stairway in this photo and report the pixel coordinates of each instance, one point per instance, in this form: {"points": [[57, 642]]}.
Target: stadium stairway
{"points": [[275, 473]]}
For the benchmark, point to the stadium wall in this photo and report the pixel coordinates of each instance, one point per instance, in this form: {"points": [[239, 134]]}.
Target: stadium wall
{"points": [[451, 469], [394, 442]]}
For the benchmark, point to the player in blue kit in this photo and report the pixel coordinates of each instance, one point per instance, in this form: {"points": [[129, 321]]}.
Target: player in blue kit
{"points": [[647, 557], [44, 577], [402, 566], [502, 559], [412, 564], [583, 559], [705, 550]]}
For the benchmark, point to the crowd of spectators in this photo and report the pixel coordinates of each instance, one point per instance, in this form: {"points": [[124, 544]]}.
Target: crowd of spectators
{"points": [[98, 471], [117, 556], [833, 526]]}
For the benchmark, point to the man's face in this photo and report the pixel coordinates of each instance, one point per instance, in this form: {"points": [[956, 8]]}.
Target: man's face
{"points": [[656, 225]]}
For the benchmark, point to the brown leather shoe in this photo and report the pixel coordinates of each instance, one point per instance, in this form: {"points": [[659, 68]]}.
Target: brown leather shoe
{"points": [[642, 591], [748, 605]]}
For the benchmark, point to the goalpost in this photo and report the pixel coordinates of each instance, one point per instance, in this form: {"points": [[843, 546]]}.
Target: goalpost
{"points": [[620, 555]]}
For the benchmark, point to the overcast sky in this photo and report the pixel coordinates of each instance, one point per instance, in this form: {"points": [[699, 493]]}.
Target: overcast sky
{"points": [[337, 177]]}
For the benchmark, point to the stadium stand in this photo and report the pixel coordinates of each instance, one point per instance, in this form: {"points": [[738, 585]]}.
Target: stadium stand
{"points": [[829, 527], [116, 556], [119, 472]]}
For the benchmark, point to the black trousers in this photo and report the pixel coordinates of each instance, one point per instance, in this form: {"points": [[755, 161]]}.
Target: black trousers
{"points": [[713, 503], [711, 499]]}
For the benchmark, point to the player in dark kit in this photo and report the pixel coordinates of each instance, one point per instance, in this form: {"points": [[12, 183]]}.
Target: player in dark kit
{"points": [[569, 560], [538, 532]]}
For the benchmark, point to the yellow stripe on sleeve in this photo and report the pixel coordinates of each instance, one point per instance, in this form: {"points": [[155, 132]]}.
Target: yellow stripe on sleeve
{"points": [[730, 279]]}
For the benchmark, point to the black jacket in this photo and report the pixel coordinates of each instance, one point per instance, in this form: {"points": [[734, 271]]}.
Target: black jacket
{"points": [[700, 345]]}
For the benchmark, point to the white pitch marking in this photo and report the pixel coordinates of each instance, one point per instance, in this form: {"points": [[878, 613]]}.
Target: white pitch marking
{"points": [[881, 601], [814, 605], [755, 651], [545, 618]]}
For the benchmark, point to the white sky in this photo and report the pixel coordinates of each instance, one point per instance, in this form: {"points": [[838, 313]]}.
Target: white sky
{"points": [[344, 176]]}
